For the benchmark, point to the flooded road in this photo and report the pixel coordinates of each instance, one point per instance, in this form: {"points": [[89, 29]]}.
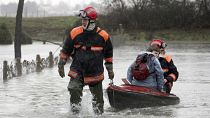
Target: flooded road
{"points": [[44, 94]]}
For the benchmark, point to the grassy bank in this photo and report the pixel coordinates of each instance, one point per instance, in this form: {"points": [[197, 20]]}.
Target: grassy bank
{"points": [[50, 28], [53, 28]]}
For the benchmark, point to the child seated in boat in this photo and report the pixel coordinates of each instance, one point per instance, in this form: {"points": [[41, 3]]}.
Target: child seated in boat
{"points": [[146, 70], [171, 73]]}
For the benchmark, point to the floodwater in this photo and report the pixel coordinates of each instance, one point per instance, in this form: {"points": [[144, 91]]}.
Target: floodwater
{"points": [[44, 94]]}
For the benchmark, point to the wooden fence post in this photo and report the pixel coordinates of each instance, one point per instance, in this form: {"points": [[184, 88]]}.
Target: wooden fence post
{"points": [[18, 67], [5, 70], [38, 63], [121, 30], [51, 62]]}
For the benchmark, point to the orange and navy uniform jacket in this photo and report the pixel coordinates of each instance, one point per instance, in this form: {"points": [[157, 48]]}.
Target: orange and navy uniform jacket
{"points": [[170, 70], [88, 50]]}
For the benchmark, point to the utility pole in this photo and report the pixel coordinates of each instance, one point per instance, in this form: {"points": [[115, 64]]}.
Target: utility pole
{"points": [[44, 12], [18, 36], [26, 12], [0, 9], [37, 12]]}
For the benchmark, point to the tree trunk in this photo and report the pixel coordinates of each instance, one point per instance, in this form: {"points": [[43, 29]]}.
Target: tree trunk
{"points": [[18, 35], [205, 6]]}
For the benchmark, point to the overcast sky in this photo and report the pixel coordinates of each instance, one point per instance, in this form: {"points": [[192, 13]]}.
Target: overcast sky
{"points": [[54, 2], [46, 7]]}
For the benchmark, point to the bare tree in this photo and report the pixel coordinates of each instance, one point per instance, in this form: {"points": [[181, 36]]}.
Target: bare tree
{"points": [[151, 15], [18, 36]]}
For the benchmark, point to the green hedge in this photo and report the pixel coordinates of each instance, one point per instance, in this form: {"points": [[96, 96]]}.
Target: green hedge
{"points": [[5, 35], [26, 39]]}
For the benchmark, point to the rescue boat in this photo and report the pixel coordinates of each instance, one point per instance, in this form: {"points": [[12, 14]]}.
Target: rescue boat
{"points": [[130, 96]]}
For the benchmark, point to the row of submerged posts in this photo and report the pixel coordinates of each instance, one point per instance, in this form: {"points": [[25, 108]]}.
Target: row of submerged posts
{"points": [[26, 67]]}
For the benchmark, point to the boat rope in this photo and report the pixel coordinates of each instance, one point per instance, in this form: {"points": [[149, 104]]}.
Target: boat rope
{"points": [[112, 84], [56, 50], [60, 46]]}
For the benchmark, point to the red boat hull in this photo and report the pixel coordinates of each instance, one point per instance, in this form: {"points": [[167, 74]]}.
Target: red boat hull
{"points": [[129, 96]]}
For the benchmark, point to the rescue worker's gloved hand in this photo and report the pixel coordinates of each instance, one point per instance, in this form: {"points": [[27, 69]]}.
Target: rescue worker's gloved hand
{"points": [[61, 64], [109, 68]]}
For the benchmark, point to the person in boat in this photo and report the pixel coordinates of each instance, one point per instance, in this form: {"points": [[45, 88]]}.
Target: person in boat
{"points": [[90, 45], [171, 73], [153, 77]]}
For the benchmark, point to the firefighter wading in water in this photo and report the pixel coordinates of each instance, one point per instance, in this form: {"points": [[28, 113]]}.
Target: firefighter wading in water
{"points": [[90, 45]]}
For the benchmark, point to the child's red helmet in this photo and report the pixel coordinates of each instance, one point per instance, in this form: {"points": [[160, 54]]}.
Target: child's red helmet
{"points": [[158, 42]]}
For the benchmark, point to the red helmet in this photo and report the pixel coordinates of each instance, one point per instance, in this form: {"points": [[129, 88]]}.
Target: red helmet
{"points": [[158, 42], [88, 12]]}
